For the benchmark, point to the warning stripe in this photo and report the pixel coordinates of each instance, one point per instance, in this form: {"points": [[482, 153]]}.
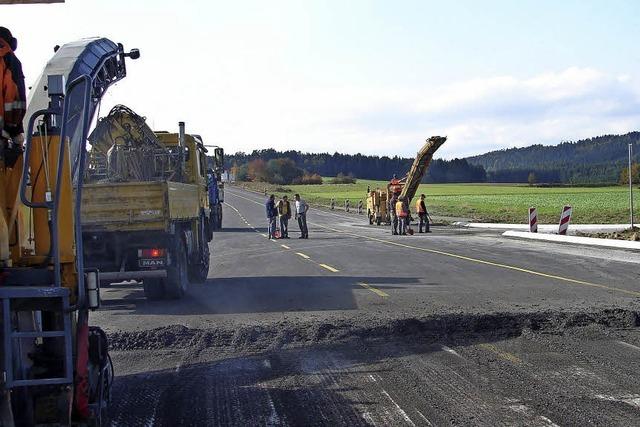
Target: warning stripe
{"points": [[565, 218], [533, 220]]}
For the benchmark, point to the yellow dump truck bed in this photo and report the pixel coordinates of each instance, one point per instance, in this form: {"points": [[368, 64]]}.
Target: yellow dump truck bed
{"points": [[135, 206]]}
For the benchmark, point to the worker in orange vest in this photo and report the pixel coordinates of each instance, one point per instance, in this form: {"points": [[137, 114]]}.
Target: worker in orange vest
{"points": [[421, 210], [392, 213], [13, 102], [402, 211]]}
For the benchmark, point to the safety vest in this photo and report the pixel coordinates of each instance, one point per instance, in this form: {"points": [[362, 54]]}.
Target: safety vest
{"points": [[12, 91], [419, 207], [284, 208], [400, 209]]}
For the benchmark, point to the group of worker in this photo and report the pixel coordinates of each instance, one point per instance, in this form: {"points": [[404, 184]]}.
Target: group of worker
{"points": [[401, 216], [13, 101], [282, 211]]}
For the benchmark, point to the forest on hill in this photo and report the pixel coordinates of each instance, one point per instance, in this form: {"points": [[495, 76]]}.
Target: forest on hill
{"points": [[589, 161]]}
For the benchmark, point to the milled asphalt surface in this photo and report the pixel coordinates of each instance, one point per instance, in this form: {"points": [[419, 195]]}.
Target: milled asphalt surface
{"points": [[358, 327]]}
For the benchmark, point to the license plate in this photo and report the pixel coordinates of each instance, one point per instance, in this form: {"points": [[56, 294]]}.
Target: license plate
{"points": [[151, 262]]}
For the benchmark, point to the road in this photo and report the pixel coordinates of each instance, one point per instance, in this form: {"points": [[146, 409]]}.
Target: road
{"points": [[355, 326]]}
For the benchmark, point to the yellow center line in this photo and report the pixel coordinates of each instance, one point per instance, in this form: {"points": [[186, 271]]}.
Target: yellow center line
{"points": [[302, 255], [491, 263], [328, 267], [285, 246], [502, 354], [374, 290], [475, 260]]}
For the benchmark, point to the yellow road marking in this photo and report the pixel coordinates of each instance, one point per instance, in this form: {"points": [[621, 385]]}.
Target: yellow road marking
{"points": [[302, 255], [502, 354], [285, 246], [328, 267], [491, 263], [476, 260], [374, 290]]}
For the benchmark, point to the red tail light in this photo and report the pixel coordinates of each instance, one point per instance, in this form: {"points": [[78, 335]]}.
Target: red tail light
{"points": [[151, 253]]}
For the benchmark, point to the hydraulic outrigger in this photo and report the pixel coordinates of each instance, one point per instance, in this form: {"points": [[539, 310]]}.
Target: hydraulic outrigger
{"points": [[55, 367]]}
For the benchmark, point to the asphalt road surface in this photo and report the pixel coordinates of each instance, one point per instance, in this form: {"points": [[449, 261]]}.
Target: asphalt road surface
{"points": [[355, 326]]}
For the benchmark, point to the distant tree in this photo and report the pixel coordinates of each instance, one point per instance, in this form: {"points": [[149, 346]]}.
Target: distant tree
{"points": [[532, 179], [257, 170], [239, 172], [635, 174], [283, 171]]}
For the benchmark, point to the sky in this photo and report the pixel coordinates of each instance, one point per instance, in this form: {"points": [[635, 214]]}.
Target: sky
{"points": [[361, 76]]}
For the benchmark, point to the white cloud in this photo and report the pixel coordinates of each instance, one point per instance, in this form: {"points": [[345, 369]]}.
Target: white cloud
{"points": [[477, 115]]}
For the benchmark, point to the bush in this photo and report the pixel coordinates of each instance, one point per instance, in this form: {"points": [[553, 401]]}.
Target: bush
{"points": [[309, 179], [635, 174], [344, 179]]}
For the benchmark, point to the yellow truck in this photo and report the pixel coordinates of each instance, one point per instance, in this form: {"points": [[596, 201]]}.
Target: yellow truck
{"points": [[145, 206]]}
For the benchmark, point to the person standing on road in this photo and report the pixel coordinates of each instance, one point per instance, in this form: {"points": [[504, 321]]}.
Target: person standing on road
{"points": [[392, 211], [284, 213], [272, 214], [402, 212], [421, 209], [301, 215], [13, 101]]}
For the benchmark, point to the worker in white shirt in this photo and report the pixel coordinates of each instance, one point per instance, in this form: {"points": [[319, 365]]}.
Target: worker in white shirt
{"points": [[301, 215]]}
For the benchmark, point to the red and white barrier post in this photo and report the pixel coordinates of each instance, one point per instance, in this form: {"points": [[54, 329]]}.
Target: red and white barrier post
{"points": [[533, 220], [565, 218]]}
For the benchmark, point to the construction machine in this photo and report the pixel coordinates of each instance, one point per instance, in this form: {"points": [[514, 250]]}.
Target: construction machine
{"points": [[55, 367], [145, 210], [378, 209]]}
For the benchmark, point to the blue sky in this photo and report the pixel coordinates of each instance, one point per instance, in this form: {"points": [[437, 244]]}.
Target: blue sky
{"points": [[376, 77]]}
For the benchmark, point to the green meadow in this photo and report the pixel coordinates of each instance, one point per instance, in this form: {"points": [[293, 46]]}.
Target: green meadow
{"points": [[488, 202]]}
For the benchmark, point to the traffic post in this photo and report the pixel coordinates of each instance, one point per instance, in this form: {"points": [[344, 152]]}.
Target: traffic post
{"points": [[533, 220], [565, 218]]}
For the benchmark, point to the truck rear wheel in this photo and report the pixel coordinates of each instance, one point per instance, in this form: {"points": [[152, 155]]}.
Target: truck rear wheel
{"points": [[199, 272], [175, 285], [153, 288]]}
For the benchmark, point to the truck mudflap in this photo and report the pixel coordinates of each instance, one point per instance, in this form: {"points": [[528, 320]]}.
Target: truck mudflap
{"points": [[120, 276]]}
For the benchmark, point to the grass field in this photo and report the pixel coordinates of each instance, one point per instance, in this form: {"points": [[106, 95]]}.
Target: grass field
{"points": [[490, 202]]}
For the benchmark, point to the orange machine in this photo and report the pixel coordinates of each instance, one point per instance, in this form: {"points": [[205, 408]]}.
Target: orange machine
{"points": [[377, 200]]}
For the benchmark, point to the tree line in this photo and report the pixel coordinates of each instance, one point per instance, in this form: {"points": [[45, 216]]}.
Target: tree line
{"points": [[355, 165], [599, 160]]}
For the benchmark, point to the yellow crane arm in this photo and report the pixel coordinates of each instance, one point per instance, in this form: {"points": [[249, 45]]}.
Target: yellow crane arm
{"points": [[420, 165]]}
